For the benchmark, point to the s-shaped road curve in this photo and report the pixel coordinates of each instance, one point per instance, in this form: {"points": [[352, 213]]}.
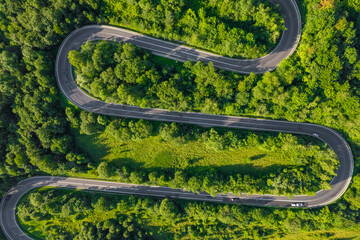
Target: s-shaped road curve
{"points": [[286, 47]]}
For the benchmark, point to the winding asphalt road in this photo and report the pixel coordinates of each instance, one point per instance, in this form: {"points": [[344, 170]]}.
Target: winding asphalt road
{"points": [[286, 47]]}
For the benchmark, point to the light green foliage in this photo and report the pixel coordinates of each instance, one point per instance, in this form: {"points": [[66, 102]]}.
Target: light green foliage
{"points": [[114, 217], [105, 170], [168, 210], [244, 28], [352, 196], [319, 84], [133, 130], [214, 160]]}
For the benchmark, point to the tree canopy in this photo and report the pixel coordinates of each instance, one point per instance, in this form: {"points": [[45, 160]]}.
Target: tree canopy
{"points": [[319, 83]]}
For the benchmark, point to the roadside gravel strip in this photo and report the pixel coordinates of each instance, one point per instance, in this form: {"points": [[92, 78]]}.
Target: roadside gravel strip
{"points": [[286, 47]]}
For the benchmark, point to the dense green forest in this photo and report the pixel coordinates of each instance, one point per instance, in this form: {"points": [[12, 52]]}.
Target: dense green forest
{"points": [[235, 28], [318, 84], [64, 214], [127, 74]]}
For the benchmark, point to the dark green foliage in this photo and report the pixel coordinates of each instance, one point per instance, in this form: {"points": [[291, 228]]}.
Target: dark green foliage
{"points": [[75, 208], [89, 124], [319, 83], [245, 28], [289, 92], [315, 171], [34, 133], [137, 80], [132, 217], [42, 24]]}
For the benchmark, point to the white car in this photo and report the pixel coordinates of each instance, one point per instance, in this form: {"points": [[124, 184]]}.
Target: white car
{"points": [[315, 135], [299, 204]]}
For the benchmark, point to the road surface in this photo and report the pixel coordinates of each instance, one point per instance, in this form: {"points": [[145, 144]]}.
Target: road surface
{"points": [[286, 47]]}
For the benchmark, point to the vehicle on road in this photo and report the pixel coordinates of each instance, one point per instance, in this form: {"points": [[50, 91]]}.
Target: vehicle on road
{"points": [[235, 199], [299, 204], [315, 135], [8, 197]]}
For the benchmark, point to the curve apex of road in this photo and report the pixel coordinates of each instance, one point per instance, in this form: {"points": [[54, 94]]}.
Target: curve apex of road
{"points": [[286, 47]]}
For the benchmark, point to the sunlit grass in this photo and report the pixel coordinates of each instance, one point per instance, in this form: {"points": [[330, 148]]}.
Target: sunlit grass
{"points": [[154, 153], [353, 234]]}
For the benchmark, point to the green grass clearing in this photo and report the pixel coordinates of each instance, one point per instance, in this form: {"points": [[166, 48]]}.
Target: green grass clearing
{"points": [[154, 153], [338, 234]]}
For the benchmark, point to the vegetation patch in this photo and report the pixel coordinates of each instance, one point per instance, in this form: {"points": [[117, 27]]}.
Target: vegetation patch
{"points": [[319, 83], [234, 28], [201, 159], [66, 214]]}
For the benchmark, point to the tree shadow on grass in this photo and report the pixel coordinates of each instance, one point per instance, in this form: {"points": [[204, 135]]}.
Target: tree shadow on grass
{"points": [[257, 157], [233, 170], [198, 171], [93, 145], [129, 163]]}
